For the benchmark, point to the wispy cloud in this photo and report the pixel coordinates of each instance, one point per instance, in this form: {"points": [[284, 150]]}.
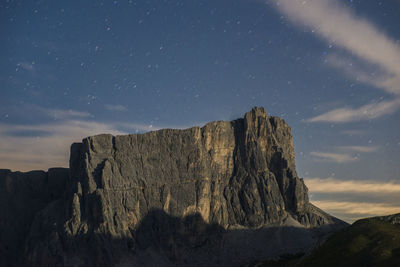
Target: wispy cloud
{"points": [[343, 154], [366, 112], [351, 211], [332, 185], [365, 73], [66, 114], [361, 149], [333, 157], [333, 22], [354, 199], [115, 107], [39, 112]]}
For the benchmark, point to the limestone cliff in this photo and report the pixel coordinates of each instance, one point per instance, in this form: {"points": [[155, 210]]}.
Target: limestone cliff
{"points": [[222, 194]]}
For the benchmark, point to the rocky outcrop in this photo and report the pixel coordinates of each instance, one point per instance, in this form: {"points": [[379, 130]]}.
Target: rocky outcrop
{"points": [[22, 196], [222, 194]]}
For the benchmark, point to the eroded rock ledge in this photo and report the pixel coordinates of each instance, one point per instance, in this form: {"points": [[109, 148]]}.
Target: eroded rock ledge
{"points": [[223, 194]]}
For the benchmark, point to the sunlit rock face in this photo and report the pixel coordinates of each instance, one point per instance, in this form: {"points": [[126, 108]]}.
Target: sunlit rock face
{"points": [[223, 194]]}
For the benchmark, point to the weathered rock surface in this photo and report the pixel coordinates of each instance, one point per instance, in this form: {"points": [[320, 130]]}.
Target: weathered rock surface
{"points": [[223, 194]]}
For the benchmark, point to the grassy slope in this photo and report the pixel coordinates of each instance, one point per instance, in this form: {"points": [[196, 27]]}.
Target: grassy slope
{"points": [[367, 242]]}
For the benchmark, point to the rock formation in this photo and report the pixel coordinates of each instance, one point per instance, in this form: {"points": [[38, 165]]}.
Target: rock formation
{"points": [[223, 194], [22, 196]]}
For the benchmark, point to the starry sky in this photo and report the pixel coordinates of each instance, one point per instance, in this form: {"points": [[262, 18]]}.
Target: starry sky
{"points": [[330, 68]]}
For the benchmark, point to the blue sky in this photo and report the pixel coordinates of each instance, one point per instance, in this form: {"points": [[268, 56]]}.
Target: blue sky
{"points": [[330, 68]]}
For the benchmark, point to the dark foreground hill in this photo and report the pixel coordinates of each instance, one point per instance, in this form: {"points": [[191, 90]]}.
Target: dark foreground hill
{"points": [[367, 242], [221, 195]]}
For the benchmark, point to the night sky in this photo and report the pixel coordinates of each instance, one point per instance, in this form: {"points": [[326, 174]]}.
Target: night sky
{"points": [[331, 69]]}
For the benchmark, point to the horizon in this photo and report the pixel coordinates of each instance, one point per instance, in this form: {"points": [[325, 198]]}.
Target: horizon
{"points": [[330, 69]]}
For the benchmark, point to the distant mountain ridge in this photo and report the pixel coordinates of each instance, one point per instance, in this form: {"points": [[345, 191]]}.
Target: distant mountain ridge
{"points": [[224, 194]]}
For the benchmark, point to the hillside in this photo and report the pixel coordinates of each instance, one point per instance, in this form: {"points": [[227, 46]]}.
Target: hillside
{"points": [[367, 242]]}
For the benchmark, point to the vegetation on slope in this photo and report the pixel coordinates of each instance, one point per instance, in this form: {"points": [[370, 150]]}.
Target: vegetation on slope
{"points": [[367, 242]]}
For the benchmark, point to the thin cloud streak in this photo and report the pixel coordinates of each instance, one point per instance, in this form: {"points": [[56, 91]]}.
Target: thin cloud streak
{"points": [[347, 153], [335, 23], [361, 149], [54, 113], [370, 75], [366, 112], [67, 114], [356, 210], [115, 107], [333, 157], [358, 194], [332, 185]]}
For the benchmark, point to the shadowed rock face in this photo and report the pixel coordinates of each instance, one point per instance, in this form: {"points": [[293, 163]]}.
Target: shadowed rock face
{"points": [[200, 196], [22, 196]]}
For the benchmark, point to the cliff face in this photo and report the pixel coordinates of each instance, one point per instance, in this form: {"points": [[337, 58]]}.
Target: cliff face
{"points": [[200, 196], [235, 174]]}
